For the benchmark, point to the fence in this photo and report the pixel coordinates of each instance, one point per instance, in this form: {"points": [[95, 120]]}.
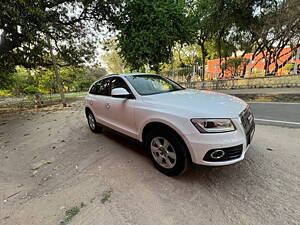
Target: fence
{"points": [[185, 73], [259, 82]]}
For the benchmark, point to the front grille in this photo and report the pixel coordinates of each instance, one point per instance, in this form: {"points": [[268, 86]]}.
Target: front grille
{"points": [[230, 153]]}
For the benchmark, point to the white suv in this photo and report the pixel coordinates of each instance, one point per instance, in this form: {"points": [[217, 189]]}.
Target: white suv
{"points": [[176, 125]]}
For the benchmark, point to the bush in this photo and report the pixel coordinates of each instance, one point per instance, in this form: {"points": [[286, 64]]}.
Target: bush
{"points": [[235, 66], [31, 90]]}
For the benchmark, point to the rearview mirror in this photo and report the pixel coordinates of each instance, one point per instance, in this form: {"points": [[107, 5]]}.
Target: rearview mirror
{"points": [[120, 93]]}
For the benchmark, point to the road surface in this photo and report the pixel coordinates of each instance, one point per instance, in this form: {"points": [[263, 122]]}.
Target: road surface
{"points": [[276, 113], [262, 91], [50, 162]]}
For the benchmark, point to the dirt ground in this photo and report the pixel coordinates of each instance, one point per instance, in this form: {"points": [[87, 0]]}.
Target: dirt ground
{"points": [[50, 162]]}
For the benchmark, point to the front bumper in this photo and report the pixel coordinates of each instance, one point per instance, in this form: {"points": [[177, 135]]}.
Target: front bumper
{"points": [[199, 144]]}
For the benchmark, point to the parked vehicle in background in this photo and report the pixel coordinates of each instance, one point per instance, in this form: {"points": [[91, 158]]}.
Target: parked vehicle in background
{"points": [[178, 126]]}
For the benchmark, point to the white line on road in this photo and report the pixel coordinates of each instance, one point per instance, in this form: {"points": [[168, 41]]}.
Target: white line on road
{"points": [[278, 121], [288, 103]]}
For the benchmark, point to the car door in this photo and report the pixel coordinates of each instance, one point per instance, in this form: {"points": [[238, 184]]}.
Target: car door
{"points": [[121, 110], [98, 98]]}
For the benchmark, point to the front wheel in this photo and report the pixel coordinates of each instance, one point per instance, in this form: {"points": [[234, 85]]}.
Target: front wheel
{"points": [[167, 151], [92, 123]]}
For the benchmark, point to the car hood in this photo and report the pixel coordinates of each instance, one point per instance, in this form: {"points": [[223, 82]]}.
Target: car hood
{"points": [[198, 103]]}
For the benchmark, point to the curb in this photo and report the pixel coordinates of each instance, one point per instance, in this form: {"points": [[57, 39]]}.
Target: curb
{"points": [[269, 97]]}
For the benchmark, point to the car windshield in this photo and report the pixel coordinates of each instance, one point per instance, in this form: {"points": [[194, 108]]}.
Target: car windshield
{"points": [[152, 84]]}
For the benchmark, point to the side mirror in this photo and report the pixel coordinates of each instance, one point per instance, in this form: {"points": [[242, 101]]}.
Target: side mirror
{"points": [[120, 93]]}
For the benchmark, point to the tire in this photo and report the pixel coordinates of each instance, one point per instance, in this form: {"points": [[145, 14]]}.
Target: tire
{"points": [[172, 160], [95, 128]]}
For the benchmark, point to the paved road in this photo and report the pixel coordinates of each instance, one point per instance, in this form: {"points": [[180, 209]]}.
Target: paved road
{"points": [[86, 168], [262, 91], [280, 114]]}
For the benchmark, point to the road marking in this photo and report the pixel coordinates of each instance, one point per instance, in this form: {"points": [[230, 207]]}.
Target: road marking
{"points": [[278, 121], [288, 103]]}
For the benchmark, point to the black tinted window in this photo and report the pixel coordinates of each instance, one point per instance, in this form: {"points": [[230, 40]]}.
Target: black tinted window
{"points": [[105, 87], [118, 82], [94, 89], [102, 87]]}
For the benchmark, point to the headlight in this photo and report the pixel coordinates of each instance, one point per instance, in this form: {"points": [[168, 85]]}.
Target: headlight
{"points": [[213, 125]]}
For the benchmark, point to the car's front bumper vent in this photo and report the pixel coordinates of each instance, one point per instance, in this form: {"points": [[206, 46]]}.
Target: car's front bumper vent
{"points": [[229, 154]]}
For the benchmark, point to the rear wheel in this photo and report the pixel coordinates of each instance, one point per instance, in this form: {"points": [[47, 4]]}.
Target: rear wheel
{"points": [[167, 151], [92, 123]]}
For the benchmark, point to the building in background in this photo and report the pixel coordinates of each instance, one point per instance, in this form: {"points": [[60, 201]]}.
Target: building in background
{"points": [[255, 67]]}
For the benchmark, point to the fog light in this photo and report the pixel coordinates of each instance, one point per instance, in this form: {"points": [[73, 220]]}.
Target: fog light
{"points": [[217, 154]]}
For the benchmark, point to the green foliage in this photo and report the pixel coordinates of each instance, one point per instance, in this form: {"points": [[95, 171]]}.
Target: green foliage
{"points": [[69, 214], [5, 93], [244, 25], [289, 66], [71, 26], [222, 36], [112, 59], [106, 196], [5, 80], [19, 81], [148, 31], [41, 80], [31, 90], [235, 66], [149, 34]]}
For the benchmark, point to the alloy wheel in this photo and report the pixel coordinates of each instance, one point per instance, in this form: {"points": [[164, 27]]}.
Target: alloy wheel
{"points": [[91, 121], [163, 152]]}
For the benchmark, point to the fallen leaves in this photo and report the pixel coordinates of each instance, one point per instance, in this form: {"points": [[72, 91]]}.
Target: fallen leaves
{"points": [[39, 164]]}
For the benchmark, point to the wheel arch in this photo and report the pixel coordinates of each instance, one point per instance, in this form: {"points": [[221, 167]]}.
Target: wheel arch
{"points": [[87, 110], [162, 125]]}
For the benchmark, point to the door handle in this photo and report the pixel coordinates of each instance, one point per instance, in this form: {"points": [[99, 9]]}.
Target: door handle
{"points": [[107, 105]]}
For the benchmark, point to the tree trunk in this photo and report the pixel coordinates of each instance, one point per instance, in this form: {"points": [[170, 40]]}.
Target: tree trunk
{"points": [[244, 69], [219, 49], [296, 61], [36, 96], [172, 67], [266, 66], [57, 75], [203, 52]]}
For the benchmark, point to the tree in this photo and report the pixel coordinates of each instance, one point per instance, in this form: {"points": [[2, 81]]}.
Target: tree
{"points": [[186, 55], [5, 80], [233, 16], [148, 31], [202, 26], [114, 63], [80, 78], [235, 66], [50, 33], [278, 28], [25, 23]]}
